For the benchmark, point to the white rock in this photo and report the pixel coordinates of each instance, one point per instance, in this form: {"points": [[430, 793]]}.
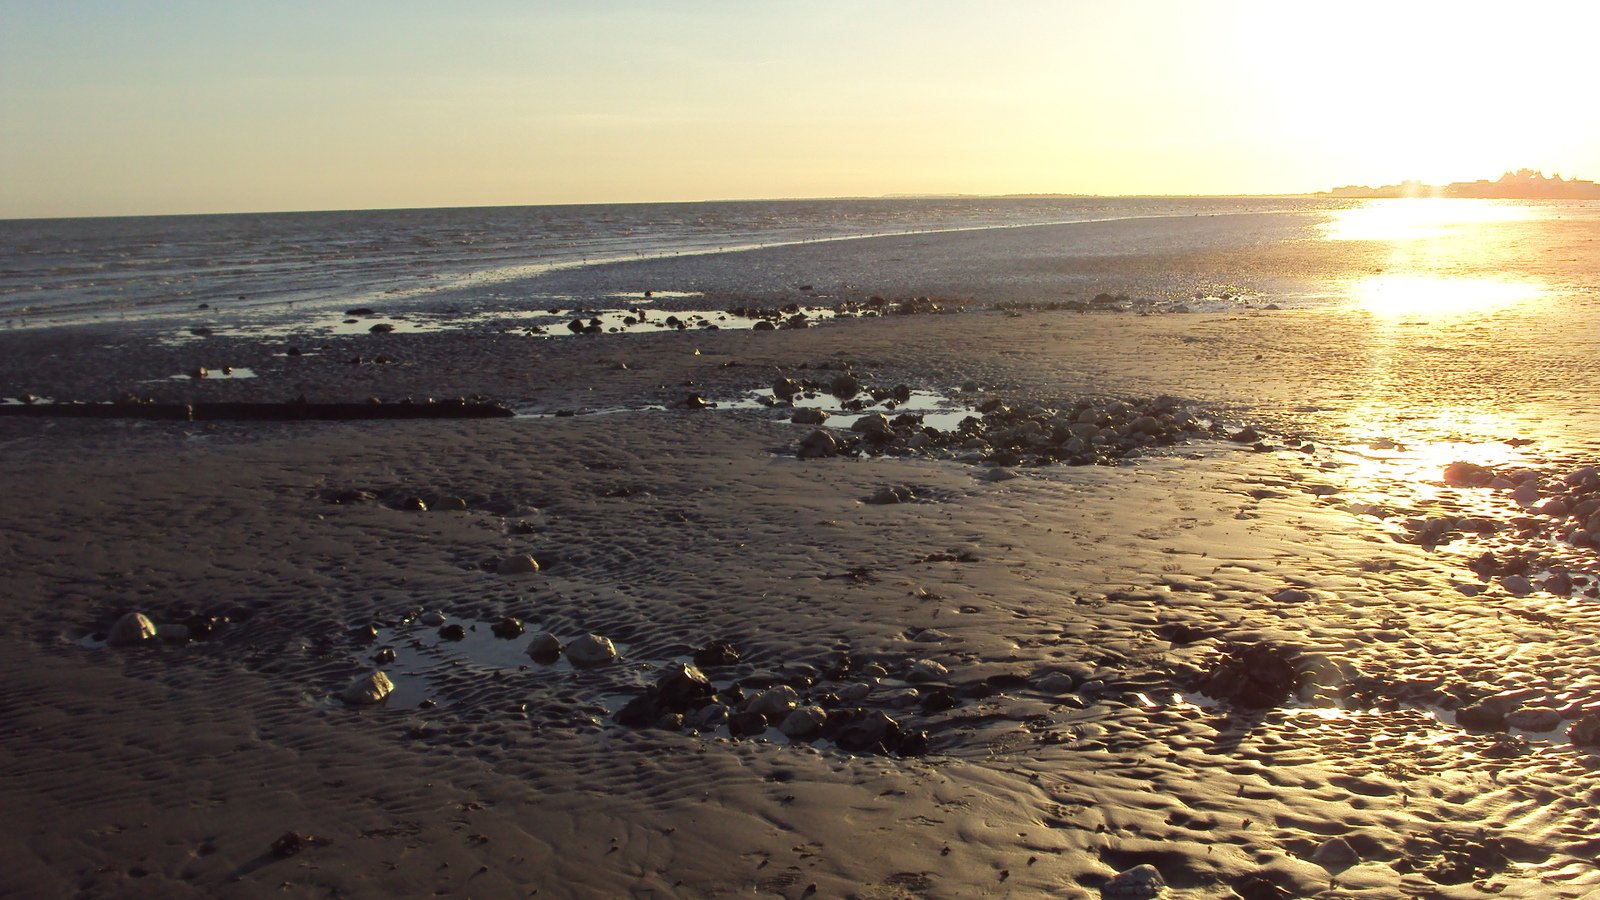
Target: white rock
{"points": [[1142, 882], [367, 689], [591, 650], [804, 722], [931, 636], [131, 629], [433, 617], [518, 565], [926, 670]]}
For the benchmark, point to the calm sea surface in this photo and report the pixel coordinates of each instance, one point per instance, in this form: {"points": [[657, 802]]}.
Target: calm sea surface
{"points": [[77, 270]]}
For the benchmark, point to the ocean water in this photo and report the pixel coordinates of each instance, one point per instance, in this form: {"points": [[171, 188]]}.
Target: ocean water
{"points": [[63, 271]]}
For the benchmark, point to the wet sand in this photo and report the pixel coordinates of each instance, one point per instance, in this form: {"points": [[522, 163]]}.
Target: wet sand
{"points": [[1076, 610]]}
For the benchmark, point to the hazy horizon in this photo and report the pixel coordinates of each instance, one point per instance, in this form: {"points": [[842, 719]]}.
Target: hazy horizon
{"points": [[187, 108]]}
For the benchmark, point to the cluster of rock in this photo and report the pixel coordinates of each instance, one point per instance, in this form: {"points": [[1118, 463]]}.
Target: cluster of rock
{"points": [[1565, 509], [1259, 675], [801, 709], [134, 628], [1102, 432]]}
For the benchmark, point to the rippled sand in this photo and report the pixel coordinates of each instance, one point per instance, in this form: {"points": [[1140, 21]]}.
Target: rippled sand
{"points": [[170, 770]]}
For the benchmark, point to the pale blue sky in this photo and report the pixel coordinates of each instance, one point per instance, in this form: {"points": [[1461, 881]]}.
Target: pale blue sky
{"points": [[153, 107]]}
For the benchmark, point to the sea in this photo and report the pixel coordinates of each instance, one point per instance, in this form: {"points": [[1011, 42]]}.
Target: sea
{"points": [[85, 270]]}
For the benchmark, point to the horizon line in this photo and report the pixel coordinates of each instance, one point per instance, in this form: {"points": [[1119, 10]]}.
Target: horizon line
{"points": [[895, 196]]}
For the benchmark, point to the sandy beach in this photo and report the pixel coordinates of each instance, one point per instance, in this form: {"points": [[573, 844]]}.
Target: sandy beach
{"points": [[1031, 668]]}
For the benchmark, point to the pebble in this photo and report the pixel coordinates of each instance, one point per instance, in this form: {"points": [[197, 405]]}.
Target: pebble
{"points": [[804, 722], [591, 650], [810, 416], [518, 565], [817, 445], [131, 629], [367, 689], [926, 670], [545, 647], [774, 702], [433, 617], [1138, 883]]}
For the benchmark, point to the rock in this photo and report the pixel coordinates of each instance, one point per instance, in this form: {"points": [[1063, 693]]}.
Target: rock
{"points": [[381, 328], [1057, 683], [858, 731], [453, 503], [508, 628], [1534, 718], [384, 656], [1488, 714], [1245, 435], [1466, 474], [453, 632], [774, 703], [591, 650], [131, 629], [1138, 883], [844, 387], [747, 724], [872, 424], [809, 415], [1256, 676], [709, 717], [926, 670], [518, 565], [817, 445], [1517, 585], [433, 617], [367, 689], [999, 474], [896, 494], [694, 401], [545, 648], [1335, 854], [1586, 731], [414, 504], [715, 655], [785, 388], [174, 634], [855, 693], [931, 636], [684, 688], [1291, 595], [804, 722]]}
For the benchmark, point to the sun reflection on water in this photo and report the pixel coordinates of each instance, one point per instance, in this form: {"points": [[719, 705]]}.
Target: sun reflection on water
{"points": [[1417, 218], [1412, 295], [1437, 257]]}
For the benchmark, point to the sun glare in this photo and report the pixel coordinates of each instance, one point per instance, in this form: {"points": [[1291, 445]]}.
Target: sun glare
{"points": [[1410, 296], [1415, 218]]}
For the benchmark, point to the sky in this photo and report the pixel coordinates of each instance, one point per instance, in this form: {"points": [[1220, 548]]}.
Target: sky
{"points": [[126, 107]]}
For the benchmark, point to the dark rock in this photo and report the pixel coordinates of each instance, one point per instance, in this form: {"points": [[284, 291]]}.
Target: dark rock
{"points": [[508, 628], [1245, 435], [818, 444], [716, 654], [384, 656], [863, 731], [1466, 474], [747, 724], [381, 328], [786, 388], [1585, 732], [1257, 676], [683, 688], [364, 634], [453, 632], [845, 386]]}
